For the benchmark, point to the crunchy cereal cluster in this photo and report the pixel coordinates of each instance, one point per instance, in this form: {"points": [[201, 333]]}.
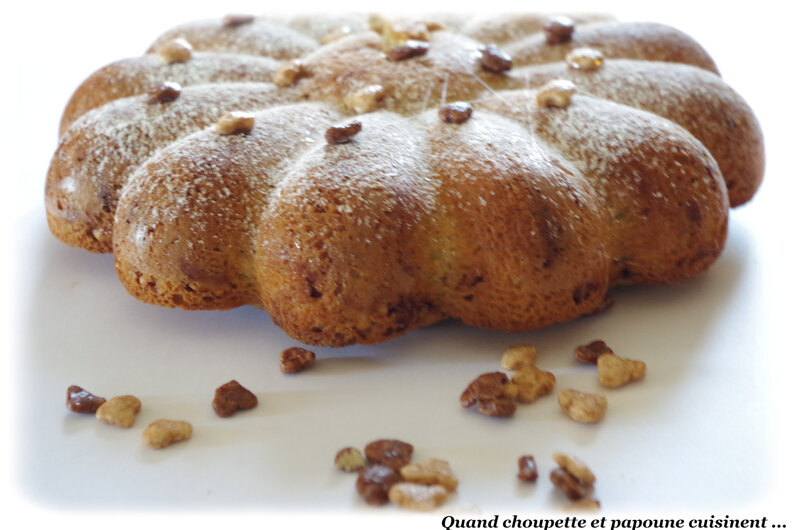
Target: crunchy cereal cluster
{"points": [[387, 474], [582, 406], [434, 471], [365, 99], [588, 59], [295, 360], [342, 134], [589, 353], [573, 478], [289, 73], [236, 122], [374, 482], [532, 383], [121, 411], [162, 433], [82, 401], [490, 393], [614, 371], [417, 497], [519, 356], [495, 394], [232, 397], [392, 453], [559, 30], [528, 472], [555, 94], [349, 459], [176, 51], [409, 49], [494, 60], [234, 20], [456, 112], [164, 93]]}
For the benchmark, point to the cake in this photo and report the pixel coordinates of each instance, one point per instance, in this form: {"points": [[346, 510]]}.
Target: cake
{"points": [[358, 177]]}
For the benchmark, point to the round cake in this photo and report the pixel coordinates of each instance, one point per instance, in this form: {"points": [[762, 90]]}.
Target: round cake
{"points": [[358, 176]]}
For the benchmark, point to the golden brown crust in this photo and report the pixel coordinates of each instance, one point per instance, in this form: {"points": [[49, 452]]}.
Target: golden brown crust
{"points": [[98, 154], [137, 75], [509, 27], [185, 229], [514, 217], [619, 40], [697, 100], [518, 239], [658, 184], [260, 37], [356, 244]]}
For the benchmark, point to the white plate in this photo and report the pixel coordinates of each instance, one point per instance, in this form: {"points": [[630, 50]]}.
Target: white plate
{"points": [[699, 434]]}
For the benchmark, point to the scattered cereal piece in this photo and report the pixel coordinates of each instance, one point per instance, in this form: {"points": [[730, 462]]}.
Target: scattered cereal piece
{"points": [[587, 59], [349, 459], [511, 390], [418, 497], [575, 467], [162, 433], [498, 408], [295, 360], [532, 383], [528, 471], [289, 73], [573, 477], [558, 30], [490, 392], [556, 93], [571, 486], [519, 356], [411, 48], [495, 61], [234, 20], [433, 471], [365, 99], [176, 51], [485, 386], [81, 401], [614, 371], [236, 122], [341, 134], [164, 93], [583, 407], [392, 453], [457, 112], [120, 411], [375, 481], [588, 353], [231, 397]]}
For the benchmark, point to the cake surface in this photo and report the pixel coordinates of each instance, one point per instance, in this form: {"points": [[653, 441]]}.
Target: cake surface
{"points": [[505, 171]]}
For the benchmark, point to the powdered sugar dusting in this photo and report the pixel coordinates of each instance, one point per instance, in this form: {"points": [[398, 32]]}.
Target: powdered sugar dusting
{"points": [[633, 40], [563, 192], [260, 37], [137, 75], [115, 139], [206, 175]]}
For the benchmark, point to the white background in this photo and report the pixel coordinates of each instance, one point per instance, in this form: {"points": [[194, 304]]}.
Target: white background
{"points": [[711, 431]]}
